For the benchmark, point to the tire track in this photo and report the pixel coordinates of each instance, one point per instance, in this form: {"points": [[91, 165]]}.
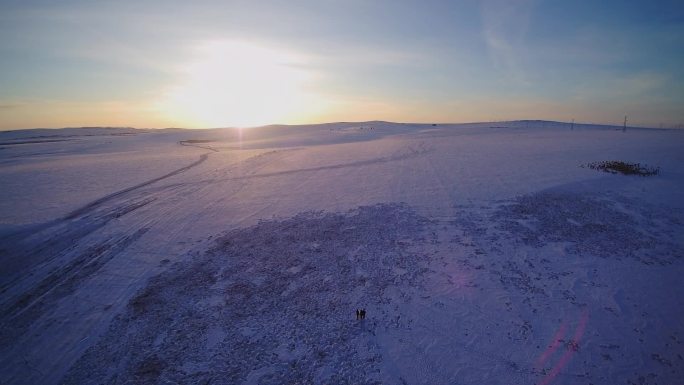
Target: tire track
{"points": [[17, 318], [93, 205], [38, 244], [191, 143], [37, 297], [411, 153]]}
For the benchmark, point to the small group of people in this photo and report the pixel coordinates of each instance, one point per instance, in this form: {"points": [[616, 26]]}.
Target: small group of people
{"points": [[360, 314]]}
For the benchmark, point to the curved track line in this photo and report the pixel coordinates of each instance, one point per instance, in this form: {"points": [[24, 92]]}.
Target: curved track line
{"points": [[94, 204], [368, 162], [11, 244], [191, 144]]}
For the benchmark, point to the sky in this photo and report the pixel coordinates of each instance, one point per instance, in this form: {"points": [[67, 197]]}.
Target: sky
{"points": [[199, 64]]}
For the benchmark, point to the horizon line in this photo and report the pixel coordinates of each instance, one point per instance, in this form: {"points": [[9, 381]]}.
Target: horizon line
{"points": [[576, 123]]}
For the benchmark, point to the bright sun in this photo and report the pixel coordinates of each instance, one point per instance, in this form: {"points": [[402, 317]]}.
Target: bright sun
{"points": [[238, 84]]}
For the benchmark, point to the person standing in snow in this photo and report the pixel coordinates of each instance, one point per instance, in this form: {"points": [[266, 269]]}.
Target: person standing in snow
{"points": [[358, 314]]}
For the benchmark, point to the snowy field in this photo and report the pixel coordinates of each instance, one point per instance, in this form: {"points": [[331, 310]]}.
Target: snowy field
{"points": [[483, 253]]}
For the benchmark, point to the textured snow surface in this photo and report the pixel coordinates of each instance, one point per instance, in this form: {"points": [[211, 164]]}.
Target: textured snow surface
{"points": [[483, 254], [270, 304]]}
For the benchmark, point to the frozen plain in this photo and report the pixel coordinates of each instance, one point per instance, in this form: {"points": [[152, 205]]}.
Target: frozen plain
{"points": [[484, 254]]}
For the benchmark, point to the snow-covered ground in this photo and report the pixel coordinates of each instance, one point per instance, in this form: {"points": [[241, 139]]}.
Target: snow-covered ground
{"points": [[483, 253]]}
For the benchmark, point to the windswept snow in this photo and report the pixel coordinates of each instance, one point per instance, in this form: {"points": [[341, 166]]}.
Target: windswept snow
{"points": [[483, 253]]}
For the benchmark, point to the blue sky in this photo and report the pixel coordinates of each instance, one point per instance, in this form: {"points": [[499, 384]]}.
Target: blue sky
{"points": [[224, 63]]}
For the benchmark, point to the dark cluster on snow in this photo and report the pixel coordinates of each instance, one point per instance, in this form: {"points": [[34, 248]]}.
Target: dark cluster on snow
{"points": [[620, 167]]}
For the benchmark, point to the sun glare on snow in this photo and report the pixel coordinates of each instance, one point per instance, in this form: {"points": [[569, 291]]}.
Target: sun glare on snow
{"points": [[238, 84]]}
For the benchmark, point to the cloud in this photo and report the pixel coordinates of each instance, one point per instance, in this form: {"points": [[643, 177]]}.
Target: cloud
{"points": [[505, 24]]}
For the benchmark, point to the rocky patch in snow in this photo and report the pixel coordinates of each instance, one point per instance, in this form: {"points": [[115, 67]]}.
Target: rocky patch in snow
{"points": [[591, 225], [269, 304]]}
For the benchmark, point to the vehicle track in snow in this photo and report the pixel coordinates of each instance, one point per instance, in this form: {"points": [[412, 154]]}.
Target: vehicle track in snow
{"points": [[81, 252], [407, 152], [51, 250], [37, 244], [93, 205]]}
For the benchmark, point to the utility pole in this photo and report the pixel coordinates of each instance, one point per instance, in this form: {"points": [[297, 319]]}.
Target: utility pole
{"points": [[624, 125]]}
